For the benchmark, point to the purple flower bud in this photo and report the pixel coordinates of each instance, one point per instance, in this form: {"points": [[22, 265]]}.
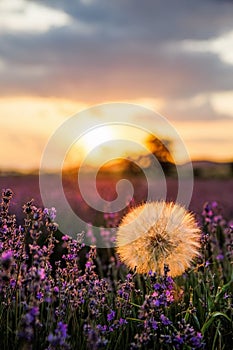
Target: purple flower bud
{"points": [[56, 289], [165, 321], [122, 321]]}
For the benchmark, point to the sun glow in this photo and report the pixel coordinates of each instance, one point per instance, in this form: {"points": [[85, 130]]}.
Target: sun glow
{"points": [[106, 142], [28, 122], [96, 137], [90, 147]]}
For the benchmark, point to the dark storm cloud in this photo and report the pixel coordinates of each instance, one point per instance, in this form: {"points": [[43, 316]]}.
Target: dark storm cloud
{"points": [[162, 19], [119, 50]]}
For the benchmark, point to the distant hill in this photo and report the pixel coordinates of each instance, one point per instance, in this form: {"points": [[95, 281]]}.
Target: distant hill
{"points": [[207, 169], [202, 169]]}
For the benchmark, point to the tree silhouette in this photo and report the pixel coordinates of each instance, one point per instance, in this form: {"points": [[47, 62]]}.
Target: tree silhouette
{"points": [[157, 149], [160, 149]]}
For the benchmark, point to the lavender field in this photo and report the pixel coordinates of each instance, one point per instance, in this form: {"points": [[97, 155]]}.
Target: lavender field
{"points": [[205, 190], [58, 293]]}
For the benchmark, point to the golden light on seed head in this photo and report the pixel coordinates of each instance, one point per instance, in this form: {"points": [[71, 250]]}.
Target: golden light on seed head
{"points": [[158, 233]]}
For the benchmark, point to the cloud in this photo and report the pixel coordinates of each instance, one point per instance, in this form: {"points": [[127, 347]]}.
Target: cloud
{"points": [[118, 50], [219, 46], [150, 20], [222, 102], [201, 107], [22, 15], [54, 54]]}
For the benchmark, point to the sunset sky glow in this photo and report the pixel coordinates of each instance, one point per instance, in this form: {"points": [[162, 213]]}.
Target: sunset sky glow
{"points": [[60, 57]]}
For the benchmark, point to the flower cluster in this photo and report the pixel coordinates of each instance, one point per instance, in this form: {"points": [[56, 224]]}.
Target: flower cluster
{"points": [[59, 337], [217, 235], [156, 326], [58, 293]]}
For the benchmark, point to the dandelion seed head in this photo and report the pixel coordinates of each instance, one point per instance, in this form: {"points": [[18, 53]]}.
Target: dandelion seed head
{"points": [[156, 234]]}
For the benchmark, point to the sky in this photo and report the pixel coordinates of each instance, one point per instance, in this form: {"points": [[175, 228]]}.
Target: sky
{"points": [[60, 57]]}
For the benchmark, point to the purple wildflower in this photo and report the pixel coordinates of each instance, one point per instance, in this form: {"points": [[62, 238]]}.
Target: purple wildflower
{"points": [[165, 321], [28, 323], [111, 315], [7, 259], [122, 321], [59, 337]]}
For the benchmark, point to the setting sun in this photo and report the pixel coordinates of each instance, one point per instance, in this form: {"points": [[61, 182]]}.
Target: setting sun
{"points": [[96, 137]]}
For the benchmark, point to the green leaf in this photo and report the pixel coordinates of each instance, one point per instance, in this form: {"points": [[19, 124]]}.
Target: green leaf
{"points": [[134, 319], [196, 321], [222, 291], [211, 319]]}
